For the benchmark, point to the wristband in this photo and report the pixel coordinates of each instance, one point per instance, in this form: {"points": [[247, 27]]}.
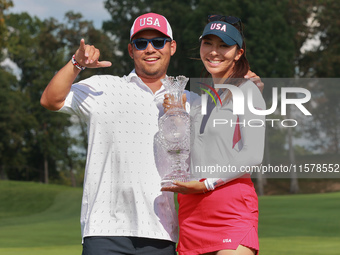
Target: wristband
{"points": [[208, 185], [76, 64]]}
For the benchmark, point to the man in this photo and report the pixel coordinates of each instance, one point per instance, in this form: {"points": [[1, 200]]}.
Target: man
{"points": [[123, 210]]}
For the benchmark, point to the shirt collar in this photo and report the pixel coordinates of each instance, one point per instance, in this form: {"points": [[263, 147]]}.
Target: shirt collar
{"points": [[133, 77]]}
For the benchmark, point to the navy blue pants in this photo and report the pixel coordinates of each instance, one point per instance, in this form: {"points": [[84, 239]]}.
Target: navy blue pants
{"points": [[119, 245]]}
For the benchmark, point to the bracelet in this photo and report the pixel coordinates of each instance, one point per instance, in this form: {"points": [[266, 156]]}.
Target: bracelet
{"points": [[76, 64]]}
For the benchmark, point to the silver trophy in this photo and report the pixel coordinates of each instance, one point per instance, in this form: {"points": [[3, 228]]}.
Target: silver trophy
{"points": [[174, 132]]}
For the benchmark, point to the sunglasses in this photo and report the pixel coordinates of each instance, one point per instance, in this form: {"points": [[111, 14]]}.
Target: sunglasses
{"points": [[158, 43], [235, 21]]}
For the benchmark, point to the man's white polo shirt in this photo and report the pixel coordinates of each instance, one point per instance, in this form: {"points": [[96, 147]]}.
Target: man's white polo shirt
{"points": [[124, 166]]}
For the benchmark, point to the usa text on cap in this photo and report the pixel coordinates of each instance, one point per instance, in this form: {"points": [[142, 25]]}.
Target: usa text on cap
{"points": [[151, 21], [228, 33]]}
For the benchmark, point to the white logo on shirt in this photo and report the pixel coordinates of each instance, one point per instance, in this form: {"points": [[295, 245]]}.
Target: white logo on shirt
{"points": [[226, 240]]}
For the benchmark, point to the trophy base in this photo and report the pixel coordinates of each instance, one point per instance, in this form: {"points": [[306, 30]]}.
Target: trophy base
{"points": [[168, 180]]}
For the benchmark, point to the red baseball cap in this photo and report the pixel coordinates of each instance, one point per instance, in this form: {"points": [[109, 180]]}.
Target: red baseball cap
{"points": [[151, 21]]}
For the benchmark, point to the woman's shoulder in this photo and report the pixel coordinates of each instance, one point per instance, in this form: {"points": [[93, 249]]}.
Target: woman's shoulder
{"points": [[248, 84], [250, 89]]}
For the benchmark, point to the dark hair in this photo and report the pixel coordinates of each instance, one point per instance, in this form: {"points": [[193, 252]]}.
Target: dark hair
{"points": [[241, 66]]}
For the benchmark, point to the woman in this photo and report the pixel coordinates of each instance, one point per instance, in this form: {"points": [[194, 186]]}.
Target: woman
{"points": [[219, 216]]}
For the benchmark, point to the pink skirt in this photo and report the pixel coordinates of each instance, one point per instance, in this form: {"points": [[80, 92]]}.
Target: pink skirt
{"points": [[219, 220]]}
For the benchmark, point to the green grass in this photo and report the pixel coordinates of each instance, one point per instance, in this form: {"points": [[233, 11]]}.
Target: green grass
{"points": [[300, 224], [38, 219]]}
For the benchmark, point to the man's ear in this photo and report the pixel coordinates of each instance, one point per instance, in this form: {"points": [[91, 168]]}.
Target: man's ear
{"points": [[130, 49], [173, 47]]}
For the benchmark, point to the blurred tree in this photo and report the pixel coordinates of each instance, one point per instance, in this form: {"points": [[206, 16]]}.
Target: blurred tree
{"points": [[323, 61], [40, 48], [12, 125], [8, 97], [324, 129], [4, 5], [34, 47]]}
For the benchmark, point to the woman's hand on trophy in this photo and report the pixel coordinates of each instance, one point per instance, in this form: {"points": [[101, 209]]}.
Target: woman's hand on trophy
{"points": [[167, 102], [191, 187]]}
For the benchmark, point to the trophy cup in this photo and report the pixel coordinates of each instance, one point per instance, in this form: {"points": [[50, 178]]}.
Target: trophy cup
{"points": [[174, 132]]}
